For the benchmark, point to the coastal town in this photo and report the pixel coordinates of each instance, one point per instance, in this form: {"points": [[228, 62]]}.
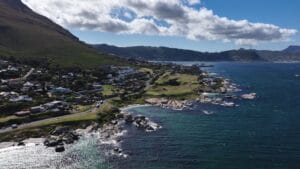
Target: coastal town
{"points": [[34, 97]]}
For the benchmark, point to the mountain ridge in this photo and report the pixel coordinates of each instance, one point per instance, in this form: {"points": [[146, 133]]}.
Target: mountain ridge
{"points": [[292, 49], [175, 54]]}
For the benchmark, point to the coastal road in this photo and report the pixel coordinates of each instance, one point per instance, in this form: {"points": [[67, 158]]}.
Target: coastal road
{"points": [[41, 122]]}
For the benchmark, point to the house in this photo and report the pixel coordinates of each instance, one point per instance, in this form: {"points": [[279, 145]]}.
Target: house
{"points": [[28, 84], [3, 63], [22, 113], [37, 109], [4, 82], [12, 68], [60, 90], [4, 88], [9, 94], [23, 98], [15, 83], [97, 86], [54, 104]]}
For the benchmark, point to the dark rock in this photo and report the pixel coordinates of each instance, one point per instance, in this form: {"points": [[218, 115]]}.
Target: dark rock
{"points": [[52, 142], [117, 150], [60, 130], [149, 128], [70, 137], [128, 118], [142, 118], [59, 148], [21, 143], [119, 116]]}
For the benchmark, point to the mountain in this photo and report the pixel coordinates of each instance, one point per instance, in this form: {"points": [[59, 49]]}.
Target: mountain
{"points": [[292, 49], [173, 54], [30, 36]]}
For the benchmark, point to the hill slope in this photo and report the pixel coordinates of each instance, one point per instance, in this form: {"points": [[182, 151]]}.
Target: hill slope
{"points": [[292, 49], [28, 35], [173, 54]]}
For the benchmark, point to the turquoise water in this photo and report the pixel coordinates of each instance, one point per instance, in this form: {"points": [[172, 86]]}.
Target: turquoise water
{"points": [[261, 134]]}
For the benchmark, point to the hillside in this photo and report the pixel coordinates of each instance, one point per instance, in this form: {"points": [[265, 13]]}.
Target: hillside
{"points": [[28, 35], [159, 53], [173, 54], [292, 49]]}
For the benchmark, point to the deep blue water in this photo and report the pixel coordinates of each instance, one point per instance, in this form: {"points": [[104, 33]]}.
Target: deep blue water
{"points": [[260, 134]]}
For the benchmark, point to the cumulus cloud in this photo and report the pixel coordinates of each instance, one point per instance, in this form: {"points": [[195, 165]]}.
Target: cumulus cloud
{"points": [[157, 17]]}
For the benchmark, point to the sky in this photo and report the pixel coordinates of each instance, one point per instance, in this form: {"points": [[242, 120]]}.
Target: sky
{"points": [[202, 25]]}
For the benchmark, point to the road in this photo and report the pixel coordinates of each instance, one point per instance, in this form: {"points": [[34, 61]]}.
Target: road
{"points": [[40, 122], [28, 74]]}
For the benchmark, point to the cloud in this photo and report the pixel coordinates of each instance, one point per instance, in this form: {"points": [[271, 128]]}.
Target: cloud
{"points": [[191, 2], [157, 17]]}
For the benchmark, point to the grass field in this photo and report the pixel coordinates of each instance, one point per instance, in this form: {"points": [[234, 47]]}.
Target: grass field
{"points": [[147, 70], [185, 89], [5, 119], [43, 127], [108, 90]]}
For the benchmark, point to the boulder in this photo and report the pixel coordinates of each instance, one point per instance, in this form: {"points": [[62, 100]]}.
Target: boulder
{"points": [[117, 150], [149, 128], [60, 130], [139, 118], [70, 137], [119, 116], [59, 148], [21, 143], [52, 142], [249, 96], [128, 118]]}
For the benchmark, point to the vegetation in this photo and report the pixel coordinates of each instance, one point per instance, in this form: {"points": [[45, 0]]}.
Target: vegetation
{"points": [[174, 85], [108, 90], [104, 114], [147, 70], [107, 114], [29, 36]]}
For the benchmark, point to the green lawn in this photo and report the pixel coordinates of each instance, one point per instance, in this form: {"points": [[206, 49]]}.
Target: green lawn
{"points": [[147, 70], [5, 119], [182, 78], [186, 88], [108, 90]]}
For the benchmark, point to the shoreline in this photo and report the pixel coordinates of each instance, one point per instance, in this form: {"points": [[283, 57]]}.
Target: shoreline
{"points": [[110, 134], [216, 98]]}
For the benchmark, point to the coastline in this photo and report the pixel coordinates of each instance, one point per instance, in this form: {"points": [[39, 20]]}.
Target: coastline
{"points": [[110, 134]]}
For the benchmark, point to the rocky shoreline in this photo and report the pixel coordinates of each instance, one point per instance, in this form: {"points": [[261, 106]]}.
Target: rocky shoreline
{"points": [[108, 134], [111, 133], [225, 97], [169, 103]]}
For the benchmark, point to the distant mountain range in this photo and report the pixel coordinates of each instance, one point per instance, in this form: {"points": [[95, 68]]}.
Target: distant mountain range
{"points": [[28, 35], [292, 49], [290, 54]]}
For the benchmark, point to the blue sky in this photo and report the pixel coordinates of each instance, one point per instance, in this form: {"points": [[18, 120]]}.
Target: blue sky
{"points": [[124, 31]]}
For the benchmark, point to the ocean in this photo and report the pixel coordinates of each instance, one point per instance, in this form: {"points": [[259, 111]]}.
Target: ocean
{"points": [[258, 134]]}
